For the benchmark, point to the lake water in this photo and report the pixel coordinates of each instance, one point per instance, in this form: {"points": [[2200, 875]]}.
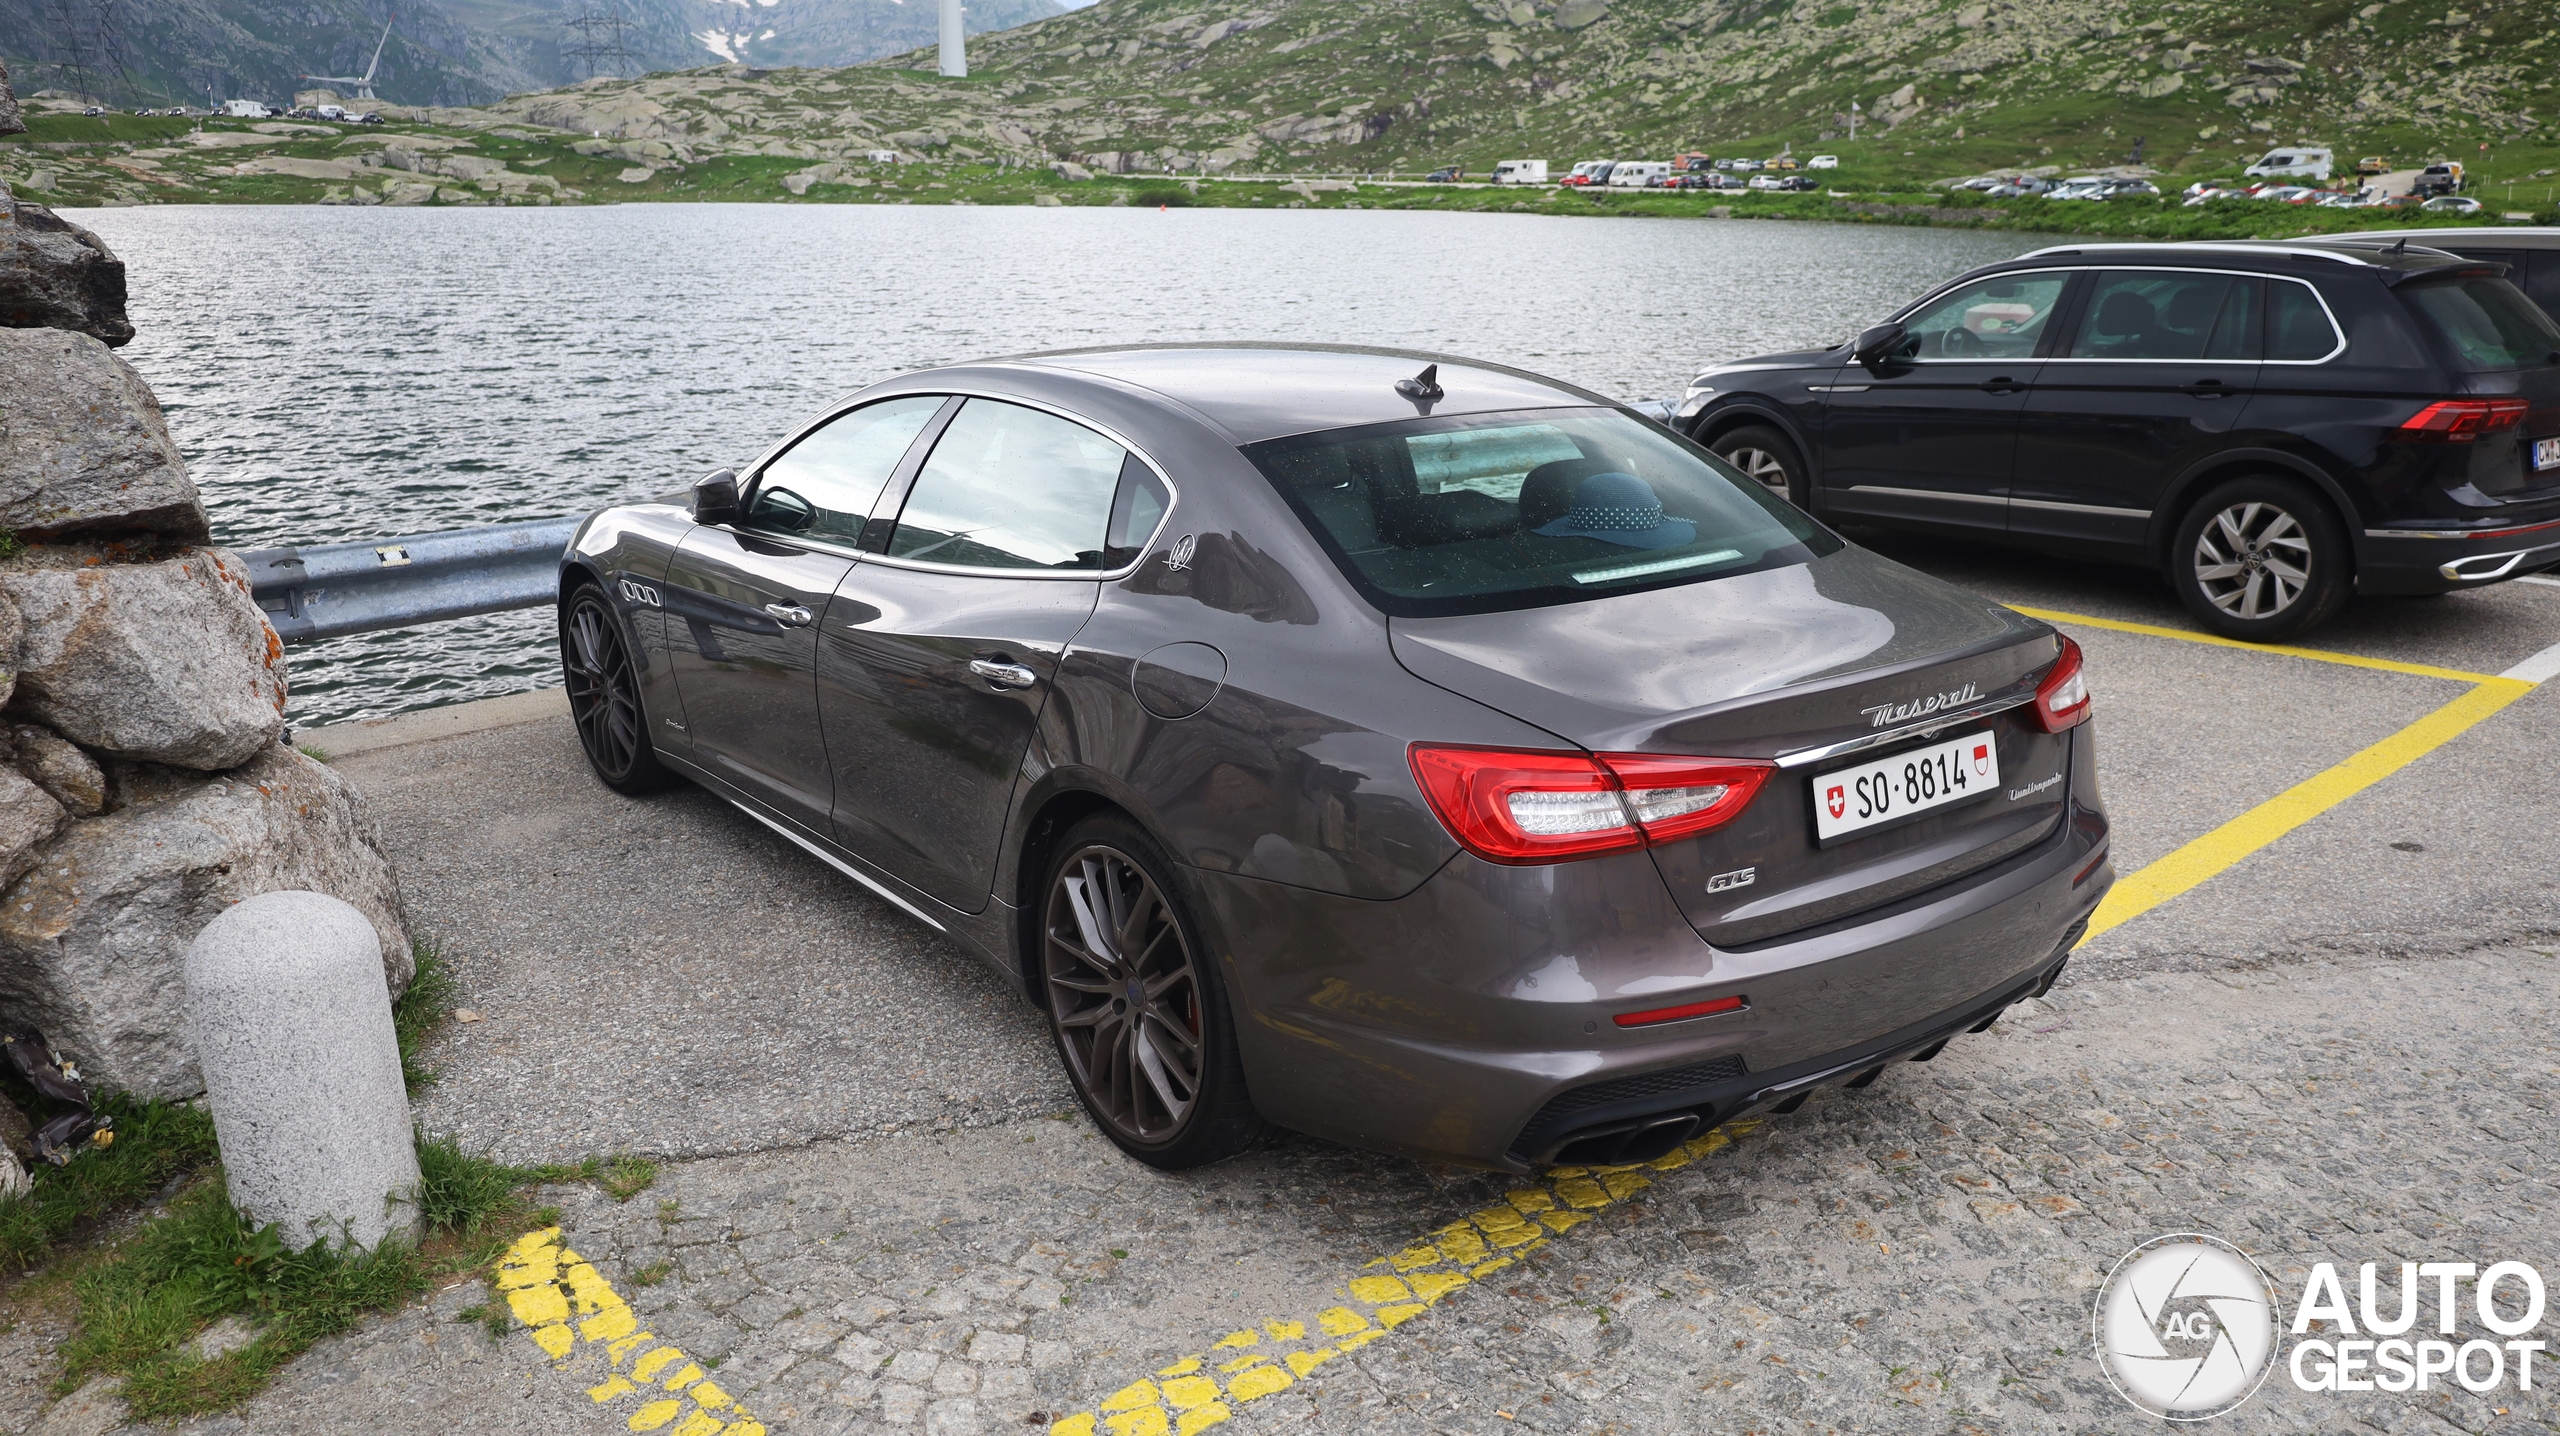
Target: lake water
{"points": [[347, 373]]}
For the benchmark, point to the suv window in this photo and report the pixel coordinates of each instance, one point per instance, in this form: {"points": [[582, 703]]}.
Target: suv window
{"points": [[1997, 318], [2485, 321], [824, 485], [2298, 328], [1012, 487], [1486, 512], [2168, 314]]}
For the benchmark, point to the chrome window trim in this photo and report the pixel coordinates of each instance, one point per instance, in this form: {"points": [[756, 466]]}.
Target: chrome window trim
{"points": [[2336, 330], [1173, 491], [1805, 757]]}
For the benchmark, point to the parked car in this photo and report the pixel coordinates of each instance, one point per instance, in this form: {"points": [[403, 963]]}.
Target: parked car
{"points": [[2021, 187], [2453, 204], [1446, 174], [1590, 172], [1190, 688], [2531, 255], [1781, 162], [1767, 182], [1520, 172], [2374, 165], [1704, 181], [1980, 183], [2197, 409], [2078, 187], [1823, 162], [2439, 179], [1797, 183]]}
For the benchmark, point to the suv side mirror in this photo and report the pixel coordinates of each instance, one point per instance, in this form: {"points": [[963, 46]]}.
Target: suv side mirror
{"points": [[1877, 343], [715, 499]]}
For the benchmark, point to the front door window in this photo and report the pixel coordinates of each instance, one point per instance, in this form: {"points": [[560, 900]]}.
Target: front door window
{"points": [[823, 487], [2003, 317]]}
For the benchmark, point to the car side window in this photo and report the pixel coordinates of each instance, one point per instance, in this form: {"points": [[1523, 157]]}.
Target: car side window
{"points": [[1009, 486], [2002, 317], [1135, 512], [2297, 327], [2167, 314], [824, 485]]}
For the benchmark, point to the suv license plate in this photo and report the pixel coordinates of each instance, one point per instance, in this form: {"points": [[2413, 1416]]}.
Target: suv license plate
{"points": [[1915, 782], [2546, 453]]}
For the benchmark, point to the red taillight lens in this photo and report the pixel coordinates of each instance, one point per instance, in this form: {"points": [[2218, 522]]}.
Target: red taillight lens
{"points": [[2459, 421], [2062, 699], [1520, 806], [1682, 1013]]}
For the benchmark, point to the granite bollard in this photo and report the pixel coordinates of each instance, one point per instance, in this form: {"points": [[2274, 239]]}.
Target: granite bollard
{"points": [[291, 1020]]}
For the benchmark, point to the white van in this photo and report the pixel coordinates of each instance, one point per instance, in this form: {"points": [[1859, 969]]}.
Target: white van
{"points": [[1520, 172], [2301, 161], [1639, 174], [244, 109]]}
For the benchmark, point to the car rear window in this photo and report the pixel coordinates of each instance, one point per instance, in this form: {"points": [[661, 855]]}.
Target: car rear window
{"points": [[1486, 512], [2485, 321]]}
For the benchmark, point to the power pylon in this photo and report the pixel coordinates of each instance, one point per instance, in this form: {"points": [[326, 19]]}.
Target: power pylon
{"points": [[600, 43]]}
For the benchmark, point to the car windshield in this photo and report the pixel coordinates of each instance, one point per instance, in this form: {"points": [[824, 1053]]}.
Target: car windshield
{"points": [[1486, 512], [2486, 322]]}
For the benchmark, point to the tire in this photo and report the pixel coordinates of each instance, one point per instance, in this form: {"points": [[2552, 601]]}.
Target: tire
{"points": [[1114, 916], [2262, 559], [604, 696], [1764, 454]]}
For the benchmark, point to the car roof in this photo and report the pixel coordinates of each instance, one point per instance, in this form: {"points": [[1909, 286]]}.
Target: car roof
{"points": [[2336, 249], [2512, 237], [1258, 391]]}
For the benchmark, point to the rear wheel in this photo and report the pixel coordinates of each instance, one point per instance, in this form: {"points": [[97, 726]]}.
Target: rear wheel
{"points": [[2262, 559], [1768, 457], [1136, 1004], [604, 696]]}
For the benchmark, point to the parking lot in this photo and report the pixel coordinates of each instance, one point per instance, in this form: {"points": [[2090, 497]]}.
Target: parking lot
{"points": [[2314, 1023]]}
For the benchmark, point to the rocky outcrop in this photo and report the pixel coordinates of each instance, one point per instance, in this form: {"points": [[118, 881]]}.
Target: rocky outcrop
{"points": [[56, 275], [94, 938], [83, 447], [10, 122], [59, 766], [159, 662]]}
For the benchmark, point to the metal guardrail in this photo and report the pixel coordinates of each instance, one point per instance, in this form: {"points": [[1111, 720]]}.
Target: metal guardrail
{"points": [[324, 590]]}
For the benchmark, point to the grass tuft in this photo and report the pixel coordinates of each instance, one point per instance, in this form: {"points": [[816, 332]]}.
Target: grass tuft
{"points": [[156, 1143], [421, 1010]]}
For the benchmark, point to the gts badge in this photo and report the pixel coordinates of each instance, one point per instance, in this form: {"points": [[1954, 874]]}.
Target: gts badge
{"points": [[639, 593], [1738, 878]]}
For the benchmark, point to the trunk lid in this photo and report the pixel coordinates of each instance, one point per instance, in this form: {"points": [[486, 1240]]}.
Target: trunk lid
{"points": [[1781, 664]]}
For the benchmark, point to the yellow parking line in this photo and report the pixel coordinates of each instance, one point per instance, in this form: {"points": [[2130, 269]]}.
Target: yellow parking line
{"points": [[2321, 655], [1253, 1362], [564, 1300]]}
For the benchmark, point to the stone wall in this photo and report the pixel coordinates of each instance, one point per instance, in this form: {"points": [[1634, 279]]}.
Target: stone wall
{"points": [[144, 782]]}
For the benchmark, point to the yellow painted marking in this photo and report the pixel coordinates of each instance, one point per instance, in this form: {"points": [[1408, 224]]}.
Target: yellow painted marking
{"points": [[1130, 1397], [1184, 1367], [1244, 1363], [616, 1350], [563, 1299], [1145, 1421], [1583, 1192], [1625, 1182], [1235, 1339], [1201, 1418], [1433, 1285], [648, 1367], [1286, 1330], [2208, 856], [1399, 1314], [654, 1415], [1531, 1200], [1303, 1362], [1360, 1339], [1184, 1392], [710, 1397], [2215, 640], [1421, 1255], [682, 1379], [700, 1423], [613, 1387], [1462, 1246], [1564, 1221], [1378, 1290], [1341, 1321], [1494, 1219], [1261, 1381], [1080, 1424], [1489, 1268], [556, 1341]]}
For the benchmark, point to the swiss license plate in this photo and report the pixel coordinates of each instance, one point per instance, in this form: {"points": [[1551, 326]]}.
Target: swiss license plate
{"points": [[1906, 783], [2546, 453]]}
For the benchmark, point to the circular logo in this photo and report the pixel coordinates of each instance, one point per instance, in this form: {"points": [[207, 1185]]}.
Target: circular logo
{"points": [[2186, 1327]]}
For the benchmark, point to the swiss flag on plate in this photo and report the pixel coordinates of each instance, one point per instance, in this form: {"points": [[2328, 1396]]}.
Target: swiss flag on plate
{"points": [[1836, 799], [1982, 759]]}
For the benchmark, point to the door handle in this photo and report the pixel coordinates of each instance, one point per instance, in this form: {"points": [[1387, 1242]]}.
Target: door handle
{"points": [[1003, 675], [2207, 389], [2002, 385], [789, 615]]}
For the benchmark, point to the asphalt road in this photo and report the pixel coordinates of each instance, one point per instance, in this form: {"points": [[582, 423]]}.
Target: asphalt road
{"points": [[887, 1215]]}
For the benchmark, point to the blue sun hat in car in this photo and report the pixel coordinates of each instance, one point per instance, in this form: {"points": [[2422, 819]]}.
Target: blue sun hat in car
{"points": [[1620, 508]]}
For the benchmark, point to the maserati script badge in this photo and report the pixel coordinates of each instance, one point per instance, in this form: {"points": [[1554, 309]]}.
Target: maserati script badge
{"points": [[1888, 713]]}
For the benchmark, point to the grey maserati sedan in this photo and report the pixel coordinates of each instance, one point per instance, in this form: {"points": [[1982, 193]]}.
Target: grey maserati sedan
{"points": [[1418, 753]]}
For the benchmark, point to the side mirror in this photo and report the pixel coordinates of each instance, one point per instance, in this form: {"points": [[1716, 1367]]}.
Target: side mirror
{"points": [[1877, 343], [715, 499]]}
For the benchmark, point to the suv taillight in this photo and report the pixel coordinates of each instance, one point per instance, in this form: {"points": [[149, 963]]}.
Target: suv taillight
{"points": [[1523, 806], [2062, 699], [2459, 421]]}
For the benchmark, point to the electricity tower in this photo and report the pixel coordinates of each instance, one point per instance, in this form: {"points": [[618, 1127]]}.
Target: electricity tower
{"points": [[89, 47], [600, 46]]}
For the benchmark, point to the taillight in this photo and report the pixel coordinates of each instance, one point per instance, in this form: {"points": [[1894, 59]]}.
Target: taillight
{"points": [[2459, 421], [2062, 699], [1521, 806]]}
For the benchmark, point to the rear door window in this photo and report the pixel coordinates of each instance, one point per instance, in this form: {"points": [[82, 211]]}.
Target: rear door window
{"points": [[2486, 322], [2299, 329], [1009, 486], [824, 485], [1481, 513], [2168, 314], [1998, 318]]}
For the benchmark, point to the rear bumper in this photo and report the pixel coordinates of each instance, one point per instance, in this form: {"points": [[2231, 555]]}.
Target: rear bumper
{"points": [[1471, 1021], [2390, 561]]}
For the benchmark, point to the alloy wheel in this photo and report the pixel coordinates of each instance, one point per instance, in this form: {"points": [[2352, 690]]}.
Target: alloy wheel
{"points": [[1124, 994], [1762, 466], [603, 699], [2253, 560]]}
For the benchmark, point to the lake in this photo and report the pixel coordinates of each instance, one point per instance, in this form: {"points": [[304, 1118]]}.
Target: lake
{"points": [[348, 373]]}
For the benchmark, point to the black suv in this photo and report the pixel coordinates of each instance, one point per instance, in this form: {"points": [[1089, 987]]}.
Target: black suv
{"points": [[2273, 426]]}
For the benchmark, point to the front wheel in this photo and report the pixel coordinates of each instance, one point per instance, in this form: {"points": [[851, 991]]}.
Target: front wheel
{"points": [[1136, 1003], [604, 696], [2261, 559], [1768, 458]]}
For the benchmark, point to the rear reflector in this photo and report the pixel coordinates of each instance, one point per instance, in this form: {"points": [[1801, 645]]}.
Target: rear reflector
{"points": [[1682, 1013], [2459, 421], [2062, 699], [1522, 806]]}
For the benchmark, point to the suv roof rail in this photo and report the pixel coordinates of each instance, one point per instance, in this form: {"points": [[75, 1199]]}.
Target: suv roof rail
{"points": [[2230, 247]]}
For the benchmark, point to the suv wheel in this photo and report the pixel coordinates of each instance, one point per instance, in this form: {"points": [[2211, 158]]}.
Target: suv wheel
{"points": [[1765, 455], [1136, 1002], [2261, 559]]}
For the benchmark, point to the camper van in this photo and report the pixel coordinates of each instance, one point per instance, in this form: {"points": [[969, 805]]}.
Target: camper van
{"points": [[1520, 172], [1639, 174], [245, 109], [2301, 162]]}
